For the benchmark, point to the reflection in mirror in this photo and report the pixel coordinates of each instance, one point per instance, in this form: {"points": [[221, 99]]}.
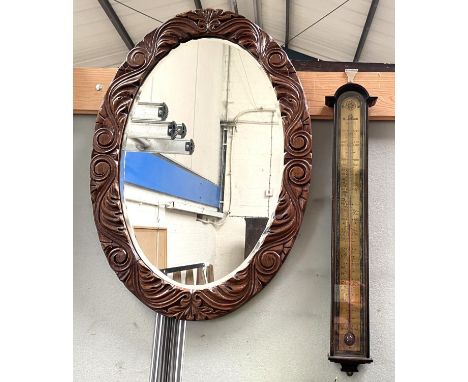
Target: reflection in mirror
{"points": [[203, 161]]}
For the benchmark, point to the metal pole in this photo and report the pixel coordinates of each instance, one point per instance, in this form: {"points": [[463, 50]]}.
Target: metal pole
{"points": [[288, 10], [257, 8], [114, 19], [162, 377], [365, 31], [234, 6], [168, 349], [156, 356], [180, 344]]}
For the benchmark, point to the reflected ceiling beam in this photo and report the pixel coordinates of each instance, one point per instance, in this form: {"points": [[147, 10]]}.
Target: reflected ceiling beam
{"points": [[257, 8], [117, 23], [365, 30], [198, 4], [288, 9], [234, 6]]}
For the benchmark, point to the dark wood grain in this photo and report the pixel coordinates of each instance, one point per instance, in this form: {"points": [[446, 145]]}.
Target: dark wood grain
{"points": [[335, 66], [154, 291]]}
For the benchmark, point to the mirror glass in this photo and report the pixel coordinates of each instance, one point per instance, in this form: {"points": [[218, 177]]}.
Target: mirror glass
{"points": [[202, 162]]}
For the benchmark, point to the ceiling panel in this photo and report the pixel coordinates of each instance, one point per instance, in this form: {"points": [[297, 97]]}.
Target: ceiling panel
{"points": [[335, 38], [95, 41], [380, 43], [138, 25], [246, 9], [274, 19], [217, 4]]}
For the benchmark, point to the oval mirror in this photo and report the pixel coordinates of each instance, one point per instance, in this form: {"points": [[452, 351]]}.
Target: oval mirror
{"points": [[201, 164]]}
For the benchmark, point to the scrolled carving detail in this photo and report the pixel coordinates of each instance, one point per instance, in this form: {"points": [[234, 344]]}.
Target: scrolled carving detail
{"points": [[138, 57], [298, 171], [152, 289], [267, 263], [277, 58], [300, 143], [119, 258]]}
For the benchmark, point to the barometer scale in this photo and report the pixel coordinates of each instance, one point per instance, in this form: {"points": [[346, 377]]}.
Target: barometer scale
{"points": [[349, 329]]}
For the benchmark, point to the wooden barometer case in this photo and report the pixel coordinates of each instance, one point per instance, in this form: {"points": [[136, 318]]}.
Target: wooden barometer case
{"points": [[349, 329]]}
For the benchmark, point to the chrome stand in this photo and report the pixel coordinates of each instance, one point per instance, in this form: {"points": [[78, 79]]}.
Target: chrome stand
{"points": [[168, 349]]}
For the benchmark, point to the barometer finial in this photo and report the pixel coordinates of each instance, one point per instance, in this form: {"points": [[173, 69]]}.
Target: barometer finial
{"points": [[351, 73]]}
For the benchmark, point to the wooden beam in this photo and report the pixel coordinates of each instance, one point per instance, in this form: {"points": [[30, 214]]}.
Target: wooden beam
{"points": [[317, 85], [86, 99], [315, 65]]}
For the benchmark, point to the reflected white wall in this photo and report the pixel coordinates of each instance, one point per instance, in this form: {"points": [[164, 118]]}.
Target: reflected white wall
{"points": [[216, 83], [256, 148], [190, 80]]}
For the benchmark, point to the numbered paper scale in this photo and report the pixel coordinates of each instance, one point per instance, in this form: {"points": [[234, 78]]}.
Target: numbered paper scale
{"points": [[349, 335]]}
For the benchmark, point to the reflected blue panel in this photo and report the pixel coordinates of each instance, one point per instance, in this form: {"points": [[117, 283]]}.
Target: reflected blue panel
{"points": [[160, 174]]}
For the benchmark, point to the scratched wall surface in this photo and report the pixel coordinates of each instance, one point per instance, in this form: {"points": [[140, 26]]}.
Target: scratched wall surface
{"points": [[282, 334]]}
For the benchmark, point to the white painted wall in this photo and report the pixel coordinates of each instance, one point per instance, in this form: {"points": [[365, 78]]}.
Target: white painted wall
{"points": [[188, 241], [194, 97], [252, 175], [280, 335], [230, 246]]}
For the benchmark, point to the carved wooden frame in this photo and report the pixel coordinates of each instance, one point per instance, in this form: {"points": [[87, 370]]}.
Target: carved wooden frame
{"points": [[157, 293]]}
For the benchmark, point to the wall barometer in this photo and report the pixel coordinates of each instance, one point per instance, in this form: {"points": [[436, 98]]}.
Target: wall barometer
{"points": [[349, 334]]}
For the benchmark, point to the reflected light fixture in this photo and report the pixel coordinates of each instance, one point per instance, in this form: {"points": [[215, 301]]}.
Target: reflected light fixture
{"points": [[160, 130], [151, 110], [161, 146]]}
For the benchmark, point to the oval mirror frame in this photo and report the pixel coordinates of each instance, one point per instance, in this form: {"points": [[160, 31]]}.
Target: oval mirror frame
{"points": [[253, 274]]}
